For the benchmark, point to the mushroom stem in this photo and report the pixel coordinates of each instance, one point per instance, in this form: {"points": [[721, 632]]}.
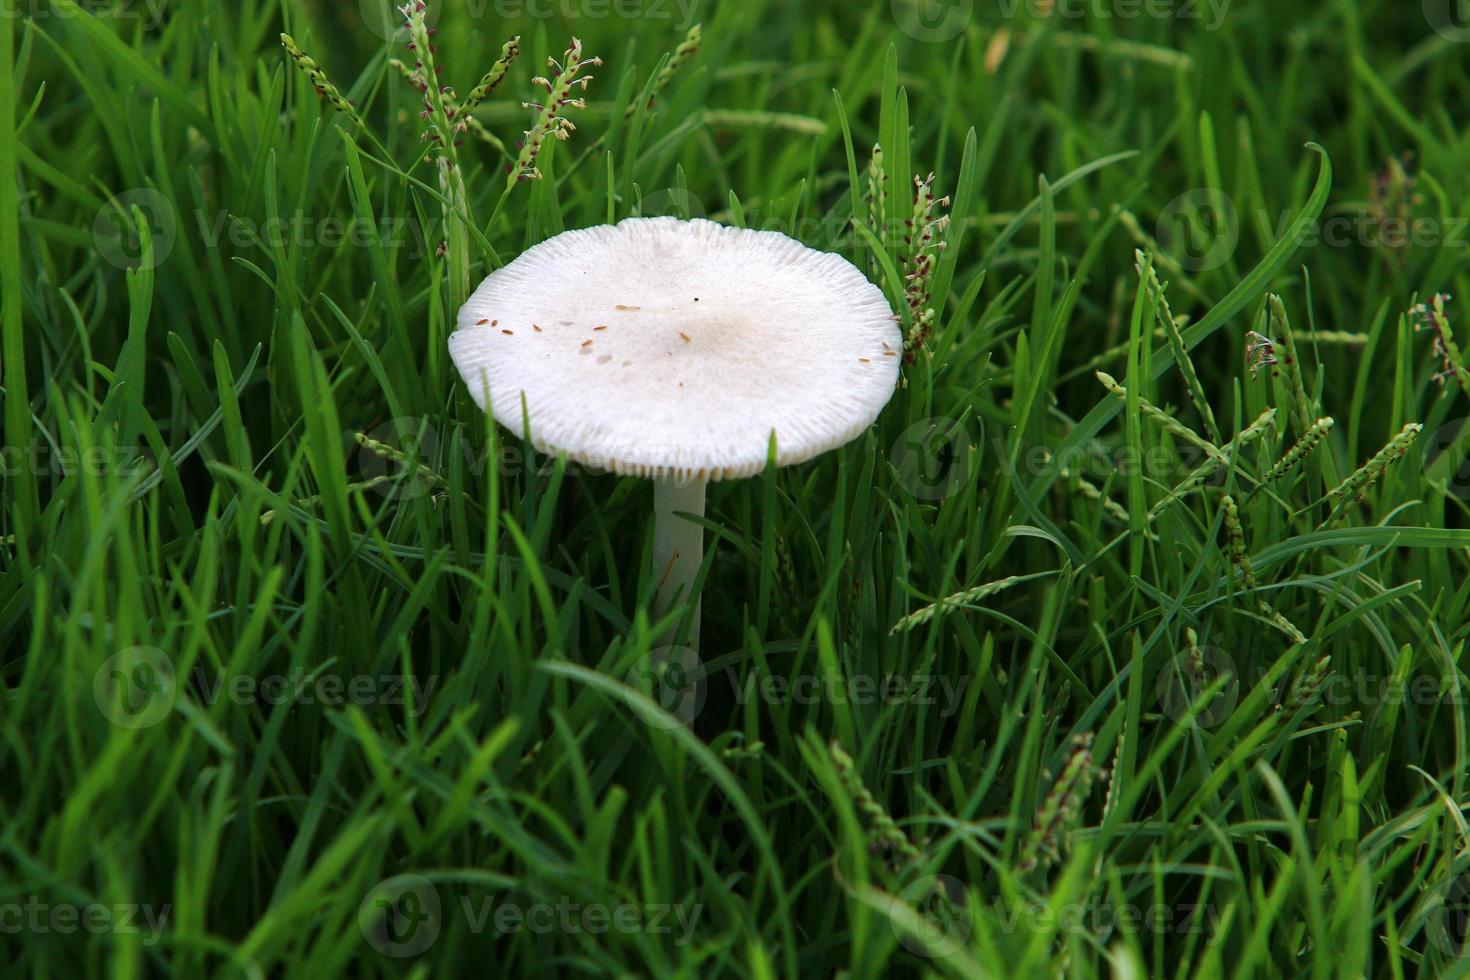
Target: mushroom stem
{"points": [[678, 547]]}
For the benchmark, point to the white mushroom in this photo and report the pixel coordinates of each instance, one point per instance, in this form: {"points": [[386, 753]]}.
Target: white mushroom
{"points": [[674, 350]]}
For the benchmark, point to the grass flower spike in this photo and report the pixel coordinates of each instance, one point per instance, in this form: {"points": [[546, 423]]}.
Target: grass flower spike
{"points": [[887, 835], [1168, 422], [508, 54], [925, 242], [1061, 809], [1143, 263], [1355, 487], [877, 202], [686, 50], [549, 121], [1303, 448], [1301, 406], [447, 120], [1431, 316], [319, 80]]}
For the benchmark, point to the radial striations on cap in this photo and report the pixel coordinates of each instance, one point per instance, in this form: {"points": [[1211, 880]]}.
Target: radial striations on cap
{"points": [[674, 349]]}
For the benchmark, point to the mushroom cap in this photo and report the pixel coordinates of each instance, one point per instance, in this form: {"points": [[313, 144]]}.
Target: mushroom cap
{"points": [[674, 349]]}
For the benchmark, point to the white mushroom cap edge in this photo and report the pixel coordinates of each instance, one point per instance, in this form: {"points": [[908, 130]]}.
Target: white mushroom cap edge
{"points": [[673, 349]]}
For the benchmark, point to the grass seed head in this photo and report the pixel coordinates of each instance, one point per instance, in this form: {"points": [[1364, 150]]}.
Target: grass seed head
{"points": [[319, 80]]}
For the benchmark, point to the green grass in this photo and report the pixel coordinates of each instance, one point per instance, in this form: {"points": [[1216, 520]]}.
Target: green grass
{"points": [[1008, 687]]}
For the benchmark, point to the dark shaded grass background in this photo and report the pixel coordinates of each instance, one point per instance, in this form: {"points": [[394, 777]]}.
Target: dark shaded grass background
{"points": [[279, 700]]}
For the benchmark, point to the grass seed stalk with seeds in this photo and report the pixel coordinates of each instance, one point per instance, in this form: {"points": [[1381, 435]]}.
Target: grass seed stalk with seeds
{"points": [[447, 118], [1432, 316], [550, 122], [925, 240]]}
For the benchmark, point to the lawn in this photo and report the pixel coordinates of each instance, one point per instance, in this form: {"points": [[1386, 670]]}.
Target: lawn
{"points": [[1128, 641]]}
